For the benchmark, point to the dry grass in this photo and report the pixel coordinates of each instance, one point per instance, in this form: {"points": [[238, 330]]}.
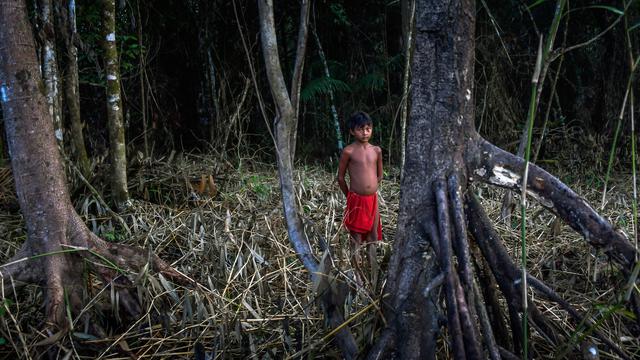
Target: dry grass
{"points": [[254, 299]]}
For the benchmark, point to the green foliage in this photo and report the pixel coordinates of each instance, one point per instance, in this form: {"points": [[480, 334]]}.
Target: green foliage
{"points": [[609, 8], [340, 14], [259, 186], [113, 236], [603, 313], [374, 81], [3, 310], [129, 52], [6, 303], [322, 87], [89, 20], [535, 3]]}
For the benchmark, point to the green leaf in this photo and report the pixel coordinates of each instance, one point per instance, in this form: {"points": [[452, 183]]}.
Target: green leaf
{"points": [[610, 8], [323, 86], [538, 2], [372, 81], [84, 336], [340, 14]]}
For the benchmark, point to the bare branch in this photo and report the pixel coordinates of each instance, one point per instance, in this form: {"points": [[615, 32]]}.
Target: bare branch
{"points": [[272, 59], [296, 81], [495, 166]]}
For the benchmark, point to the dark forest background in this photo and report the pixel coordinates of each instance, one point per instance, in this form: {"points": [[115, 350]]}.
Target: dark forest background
{"points": [[195, 60], [193, 76]]}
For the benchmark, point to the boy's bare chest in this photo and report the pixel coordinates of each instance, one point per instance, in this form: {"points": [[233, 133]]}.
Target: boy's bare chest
{"points": [[365, 157]]}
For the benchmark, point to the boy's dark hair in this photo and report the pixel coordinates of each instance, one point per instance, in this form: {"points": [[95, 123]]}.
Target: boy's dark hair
{"points": [[358, 119]]}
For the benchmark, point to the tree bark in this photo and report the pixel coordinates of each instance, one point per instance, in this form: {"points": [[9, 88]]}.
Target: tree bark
{"points": [[441, 102], [50, 71], [66, 28], [444, 154], [117, 145], [55, 232]]}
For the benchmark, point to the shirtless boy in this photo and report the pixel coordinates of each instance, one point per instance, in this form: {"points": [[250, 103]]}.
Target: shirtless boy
{"points": [[364, 164]]}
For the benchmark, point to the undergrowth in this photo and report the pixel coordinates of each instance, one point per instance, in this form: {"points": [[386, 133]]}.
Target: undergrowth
{"points": [[253, 297]]}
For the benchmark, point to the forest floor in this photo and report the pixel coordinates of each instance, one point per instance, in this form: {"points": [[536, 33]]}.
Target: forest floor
{"points": [[254, 298]]}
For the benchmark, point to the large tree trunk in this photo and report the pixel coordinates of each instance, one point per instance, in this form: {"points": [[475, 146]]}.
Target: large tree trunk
{"points": [[66, 28], [53, 226], [443, 156], [441, 108], [117, 145]]}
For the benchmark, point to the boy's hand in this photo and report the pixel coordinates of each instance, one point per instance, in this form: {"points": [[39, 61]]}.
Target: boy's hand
{"points": [[342, 169]]}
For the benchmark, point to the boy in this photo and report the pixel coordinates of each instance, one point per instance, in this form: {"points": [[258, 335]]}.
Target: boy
{"points": [[364, 163]]}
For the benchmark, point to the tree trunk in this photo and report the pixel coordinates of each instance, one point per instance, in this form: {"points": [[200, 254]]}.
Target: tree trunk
{"points": [[444, 155], [54, 228], [143, 73], [117, 145], [408, 25], [50, 68], [330, 295], [441, 106], [66, 26]]}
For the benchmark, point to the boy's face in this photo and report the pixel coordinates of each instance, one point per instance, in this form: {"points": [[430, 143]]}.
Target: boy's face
{"points": [[362, 133]]}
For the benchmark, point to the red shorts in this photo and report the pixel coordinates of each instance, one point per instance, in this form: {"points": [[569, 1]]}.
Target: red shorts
{"points": [[360, 213]]}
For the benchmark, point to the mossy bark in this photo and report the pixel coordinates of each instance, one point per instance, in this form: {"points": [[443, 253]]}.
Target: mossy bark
{"points": [[117, 145], [50, 71]]}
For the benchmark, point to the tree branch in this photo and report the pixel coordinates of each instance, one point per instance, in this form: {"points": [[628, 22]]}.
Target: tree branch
{"points": [[495, 166], [272, 59], [296, 80]]}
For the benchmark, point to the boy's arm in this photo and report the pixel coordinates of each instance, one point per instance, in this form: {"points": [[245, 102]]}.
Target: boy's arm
{"points": [[379, 166], [342, 169]]}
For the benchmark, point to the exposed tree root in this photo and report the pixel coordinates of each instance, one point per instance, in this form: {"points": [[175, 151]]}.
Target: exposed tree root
{"points": [[491, 302], [59, 271], [508, 276], [465, 344], [331, 296], [446, 231], [489, 337]]}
